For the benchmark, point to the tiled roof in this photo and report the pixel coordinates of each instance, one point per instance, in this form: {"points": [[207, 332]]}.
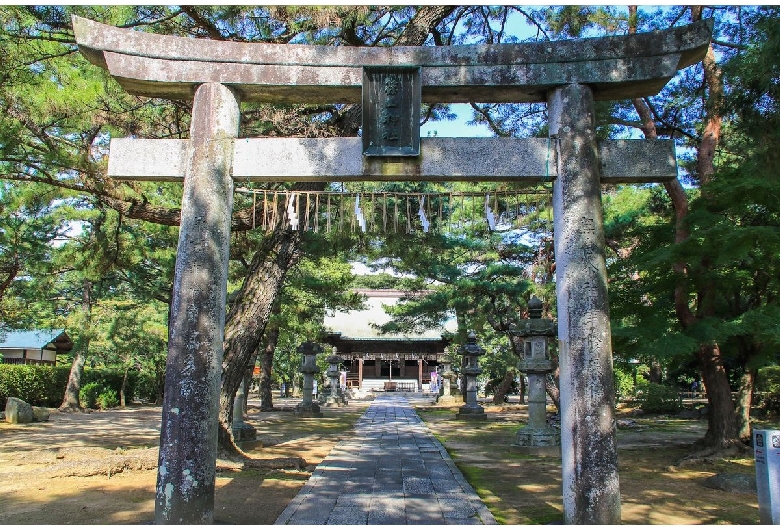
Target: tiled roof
{"points": [[361, 324], [35, 339]]}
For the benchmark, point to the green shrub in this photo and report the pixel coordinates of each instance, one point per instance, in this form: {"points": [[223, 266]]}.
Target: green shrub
{"points": [[658, 399], [88, 395], [768, 380], [112, 378], [624, 383], [148, 387], [44, 385], [107, 399], [768, 386], [38, 385]]}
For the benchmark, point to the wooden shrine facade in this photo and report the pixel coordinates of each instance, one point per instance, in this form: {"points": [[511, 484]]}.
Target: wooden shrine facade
{"points": [[388, 359], [369, 355]]}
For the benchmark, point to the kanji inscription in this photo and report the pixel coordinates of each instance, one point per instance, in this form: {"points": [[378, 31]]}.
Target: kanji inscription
{"points": [[391, 111]]}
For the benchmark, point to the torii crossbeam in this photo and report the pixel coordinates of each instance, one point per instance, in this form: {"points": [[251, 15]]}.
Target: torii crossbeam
{"points": [[568, 75]]}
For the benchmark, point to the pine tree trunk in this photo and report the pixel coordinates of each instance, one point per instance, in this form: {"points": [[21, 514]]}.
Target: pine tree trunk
{"points": [[744, 400], [552, 390], [122, 397], [521, 393], [267, 362], [70, 401], [159, 382], [504, 388], [248, 317], [722, 431]]}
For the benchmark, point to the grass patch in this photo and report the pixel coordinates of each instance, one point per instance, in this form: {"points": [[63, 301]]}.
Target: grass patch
{"points": [[288, 475]]}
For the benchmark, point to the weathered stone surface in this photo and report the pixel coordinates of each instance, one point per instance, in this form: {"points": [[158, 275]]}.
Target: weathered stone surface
{"points": [[535, 365], [171, 67], [41, 414], [188, 437], [95, 38], [591, 493], [731, 482], [530, 160], [242, 431], [18, 411]]}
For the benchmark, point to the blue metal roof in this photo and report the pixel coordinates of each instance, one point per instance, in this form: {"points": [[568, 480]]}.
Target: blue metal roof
{"points": [[35, 339]]}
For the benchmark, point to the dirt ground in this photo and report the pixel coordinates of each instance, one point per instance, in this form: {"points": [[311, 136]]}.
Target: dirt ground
{"points": [[100, 468]]}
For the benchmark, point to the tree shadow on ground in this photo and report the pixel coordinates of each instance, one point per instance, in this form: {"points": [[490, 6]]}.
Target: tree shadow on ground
{"points": [[521, 489]]}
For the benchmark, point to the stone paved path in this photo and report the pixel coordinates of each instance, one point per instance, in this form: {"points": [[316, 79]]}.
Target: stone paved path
{"points": [[393, 471]]}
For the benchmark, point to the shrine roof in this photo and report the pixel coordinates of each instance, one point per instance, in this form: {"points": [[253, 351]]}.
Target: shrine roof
{"points": [[361, 325], [51, 339]]}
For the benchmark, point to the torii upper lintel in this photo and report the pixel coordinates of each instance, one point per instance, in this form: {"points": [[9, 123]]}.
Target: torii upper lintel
{"points": [[617, 67]]}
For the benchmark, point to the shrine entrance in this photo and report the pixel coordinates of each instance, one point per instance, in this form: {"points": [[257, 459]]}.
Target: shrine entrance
{"points": [[217, 76], [372, 358]]}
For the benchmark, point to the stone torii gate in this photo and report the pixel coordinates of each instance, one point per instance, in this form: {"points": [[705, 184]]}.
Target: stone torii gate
{"points": [[568, 75]]}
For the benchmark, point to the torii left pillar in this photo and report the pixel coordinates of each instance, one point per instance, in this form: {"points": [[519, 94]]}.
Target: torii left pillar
{"points": [[188, 436]]}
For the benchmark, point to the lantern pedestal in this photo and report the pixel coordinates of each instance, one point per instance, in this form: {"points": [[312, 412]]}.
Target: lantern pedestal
{"points": [[308, 408], [242, 431], [335, 398], [472, 410], [537, 438], [449, 394]]}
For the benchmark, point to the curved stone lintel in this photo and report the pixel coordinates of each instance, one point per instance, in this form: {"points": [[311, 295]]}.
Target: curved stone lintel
{"points": [[616, 67], [691, 41], [610, 78]]}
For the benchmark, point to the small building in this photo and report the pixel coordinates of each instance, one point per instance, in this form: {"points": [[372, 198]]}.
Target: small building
{"points": [[374, 360], [34, 346]]}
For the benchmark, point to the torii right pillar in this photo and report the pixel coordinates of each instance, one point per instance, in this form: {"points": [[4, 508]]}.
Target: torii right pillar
{"points": [[591, 492]]}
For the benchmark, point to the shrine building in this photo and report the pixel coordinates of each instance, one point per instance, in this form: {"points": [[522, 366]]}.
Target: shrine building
{"points": [[375, 360]]}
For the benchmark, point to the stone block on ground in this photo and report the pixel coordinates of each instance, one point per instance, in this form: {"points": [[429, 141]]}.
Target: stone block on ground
{"points": [[18, 411], [40, 414], [732, 482]]}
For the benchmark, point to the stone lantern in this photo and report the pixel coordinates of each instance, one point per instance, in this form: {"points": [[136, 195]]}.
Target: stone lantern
{"points": [[471, 351], [449, 393], [242, 431], [308, 408], [536, 437], [336, 398]]}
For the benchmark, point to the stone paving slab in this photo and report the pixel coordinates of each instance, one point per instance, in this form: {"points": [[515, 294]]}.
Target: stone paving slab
{"points": [[392, 471]]}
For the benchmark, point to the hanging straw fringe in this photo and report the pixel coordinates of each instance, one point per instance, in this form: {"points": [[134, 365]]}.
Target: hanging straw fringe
{"points": [[506, 208]]}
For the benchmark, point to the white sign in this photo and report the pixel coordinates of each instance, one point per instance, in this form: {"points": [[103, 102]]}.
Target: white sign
{"points": [[766, 447]]}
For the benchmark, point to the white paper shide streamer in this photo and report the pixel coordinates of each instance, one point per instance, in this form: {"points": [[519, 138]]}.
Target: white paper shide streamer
{"points": [[292, 215], [421, 213], [491, 218], [359, 214]]}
